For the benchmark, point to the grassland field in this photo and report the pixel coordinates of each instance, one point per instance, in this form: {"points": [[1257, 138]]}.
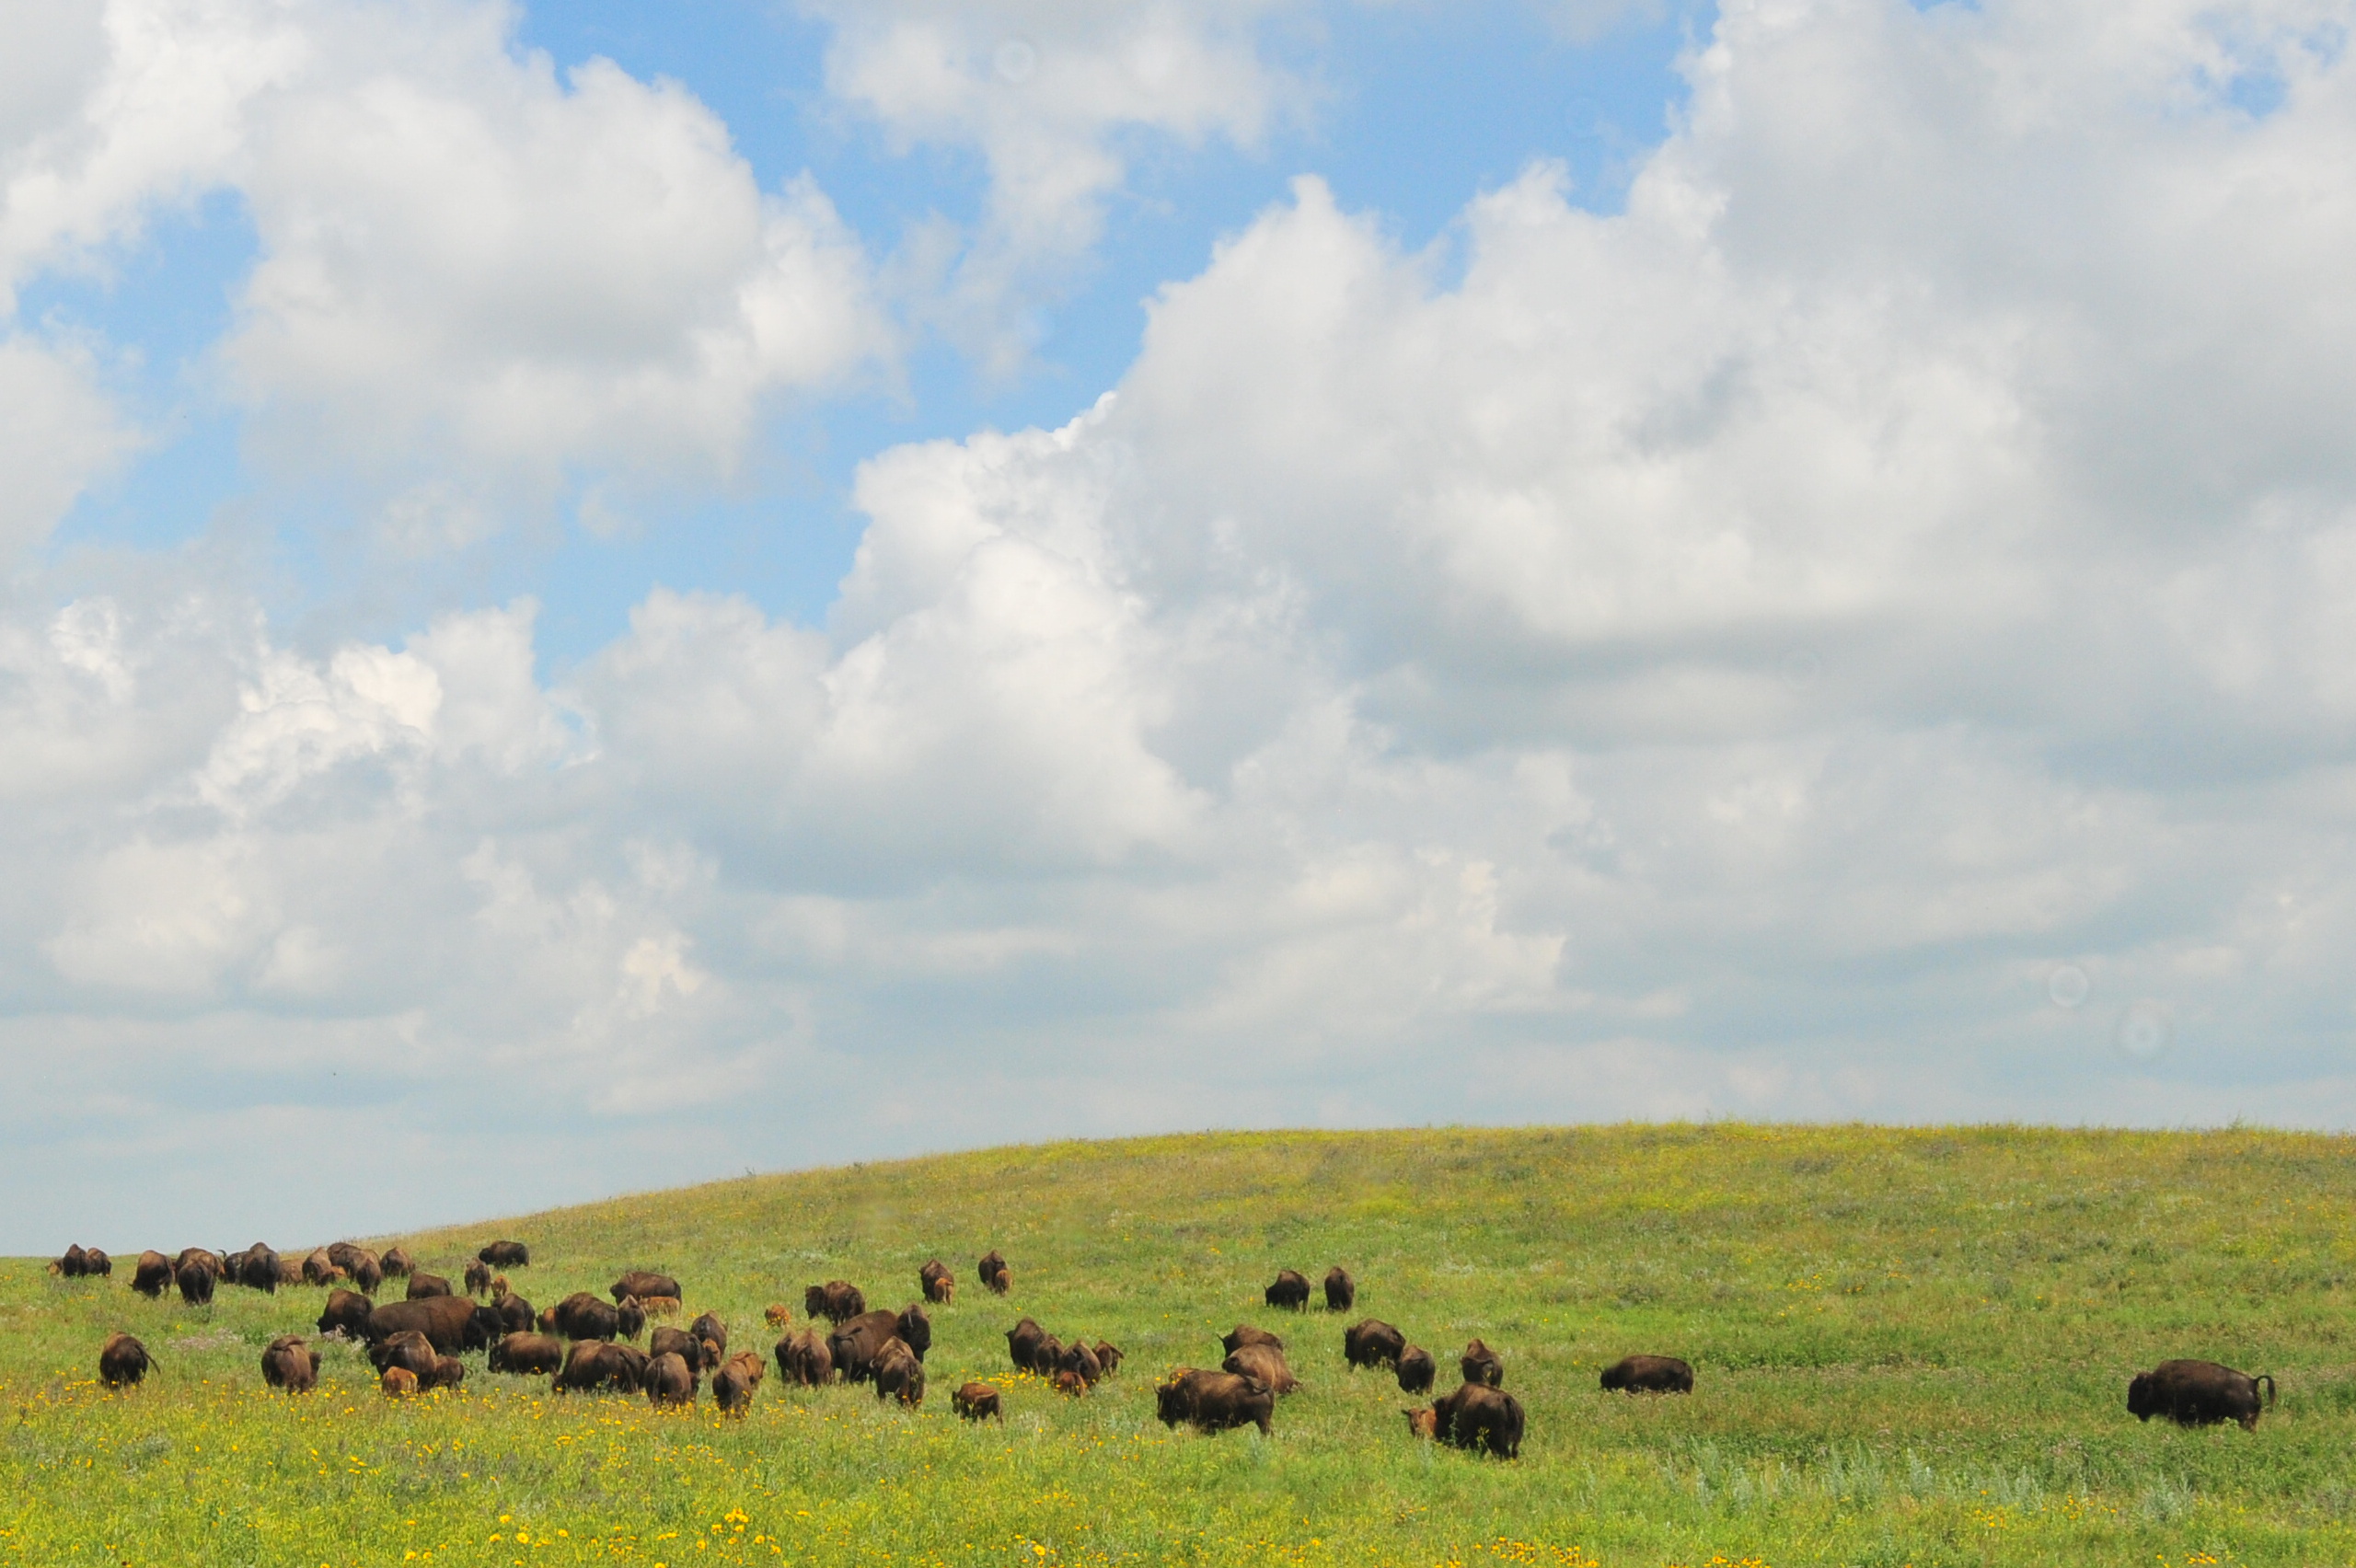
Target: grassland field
{"points": [[1911, 1348]]}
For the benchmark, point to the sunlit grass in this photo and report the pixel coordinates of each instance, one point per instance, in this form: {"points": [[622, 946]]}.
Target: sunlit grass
{"points": [[1911, 1348]]}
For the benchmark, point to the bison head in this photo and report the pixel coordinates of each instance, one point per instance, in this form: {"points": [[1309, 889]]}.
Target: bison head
{"points": [[2142, 1402]]}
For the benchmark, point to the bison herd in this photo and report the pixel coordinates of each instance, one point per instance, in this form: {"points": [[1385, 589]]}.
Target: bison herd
{"points": [[585, 1343]]}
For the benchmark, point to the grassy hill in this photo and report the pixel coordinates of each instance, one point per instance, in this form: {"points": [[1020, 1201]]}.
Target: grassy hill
{"points": [[1913, 1348]]}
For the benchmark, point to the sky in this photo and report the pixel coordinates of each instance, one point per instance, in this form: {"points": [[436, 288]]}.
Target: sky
{"points": [[601, 595]]}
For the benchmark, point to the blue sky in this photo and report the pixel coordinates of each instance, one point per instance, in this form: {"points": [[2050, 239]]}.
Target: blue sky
{"points": [[607, 594]]}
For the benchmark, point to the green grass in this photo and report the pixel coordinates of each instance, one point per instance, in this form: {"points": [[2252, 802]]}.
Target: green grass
{"points": [[1912, 1347]]}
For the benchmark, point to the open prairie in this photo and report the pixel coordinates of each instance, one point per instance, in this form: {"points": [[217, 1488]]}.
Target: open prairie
{"points": [[1912, 1347]]}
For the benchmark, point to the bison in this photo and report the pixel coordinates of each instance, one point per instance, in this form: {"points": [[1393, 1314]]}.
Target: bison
{"points": [[838, 1301], [408, 1348], [320, 1269], [195, 1280], [1341, 1290], [1424, 1422], [733, 1386], [448, 1373], [512, 1312], [1478, 1415], [855, 1345], [478, 1278], [1263, 1363], [422, 1286], [2198, 1393], [1022, 1343], [996, 1277], [899, 1373], [153, 1274], [1482, 1366], [1289, 1289], [1648, 1375], [1416, 1370], [656, 1306], [526, 1354], [598, 1364], [290, 1363], [506, 1255], [397, 1382], [1243, 1334], [1081, 1361], [1108, 1357], [940, 1285], [1214, 1401], [977, 1401], [72, 1262], [777, 1314], [261, 1270], [346, 1313], [582, 1316], [122, 1359], [1372, 1342], [803, 1359], [448, 1322], [640, 1283], [668, 1380], [368, 1273], [681, 1343], [1064, 1380], [916, 1327], [710, 1327], [397, 1262]]}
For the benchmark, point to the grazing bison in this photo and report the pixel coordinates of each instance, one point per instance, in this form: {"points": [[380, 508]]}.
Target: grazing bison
{"points": [[854, 1345], [838, 1301], [1341, 1290], [595, 1363], [506, 1255], [582, 1316], [939, 1285], [290, 1363], [342, 1254], [679, 1343], [289, 1272], [777, 1314], [259, 1269], [1108, 1357], [1243, 1334], [95, 1265], [1263, 1363], [1022, 1343], [977, 1401], [526, 1354], [368, 1273], [1066, 1381], [72, 1262], [803, 1359], [478, 1277], [1648, 1375], [408, 1348], [423, 1284], [320, 1269], [1047, 1357], [397, 1382], [733, 1384], [640, 1283], [513, 1313], [2198, 1393], [397, 1262], [996, 1276], [200, 1255], [656, 1306], [346, 1313], [1290, 1288], [710, 1327], [668, 1380], [448, 1322], [122, 1359], [1416, 1370], [1482, 1366], [152, 1275], [448, 1373], [1478, 1416], [1372, 1342], [1081, 1361], [1214, 1401], [916, 1327], [899, 1373], [196, 1282]]}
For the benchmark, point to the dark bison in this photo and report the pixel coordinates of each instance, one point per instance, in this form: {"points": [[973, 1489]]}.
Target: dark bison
{"points": [[1214, 1402], [368, 1273], [1108, 1357], [593, 1365], [478, 1278], [979, 1402], [408, 1348], [1290, 1288], [1047, 1357], [448, 1373], [1081, 1361], [1416, 1370], [195, 1280], [1372, 1342], [1648, 1375], [1243, 1334], [397, 1263], [290, 1363], [346, 1313], [641, 1284], [1264, 1364], [916, 1327], [838, 1301], [855, 1345], [74, 1263], [733, 1386], [2198, 1393], [899, 1373], [152, 1275], [95, 1265], [1341, 1290], [1022, 1343], [423, 1284], [582, 1316], [803, 1359], [669, 1381], [506, 1255], [122, 1360], [526, 1354], [683, 1344], [448, 1322], [996, 1276], [513, 1314], [939, 1285], [1478, 1416], [198, 1254], [1482, 1366], [259, 1270], [343, 1254], [709, 1327]]}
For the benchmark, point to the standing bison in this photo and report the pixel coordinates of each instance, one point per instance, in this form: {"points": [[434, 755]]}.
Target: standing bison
{"points": [[899, 1373], [526, 1354], [195, 1280], [1372, 1342], [1483, 1366], [977, 1401], [423, 1284], [838, 1301], [2198, 1393], [996, 1276], [669, 1381], [939, 1285], [1341, 1290], [1263, 1363], [1416, 1370], [121, 1360], [803, 1359], [732, 1386], [1478, 1416], [290, 1363], [506, 1255], [152, 1275], [641, 1284], [1290, 1288], [1648, 1375], [1214, 1401]]}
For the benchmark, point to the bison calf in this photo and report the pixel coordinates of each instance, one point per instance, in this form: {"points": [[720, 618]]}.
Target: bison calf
{"points": [[977, 1401], [397, 1382], [777, 1314], [1648, 1375]]}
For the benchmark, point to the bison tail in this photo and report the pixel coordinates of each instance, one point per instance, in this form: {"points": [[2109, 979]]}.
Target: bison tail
{"points": [[2267, 1378]]}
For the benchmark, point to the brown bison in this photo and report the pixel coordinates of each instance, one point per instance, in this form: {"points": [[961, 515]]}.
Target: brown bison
{"points": [[1081, 1361], [1022, 1343], [733, 1386], [640, 1283], [95, 1265], [1648, 1375], [397, 1263], [368, 1273], [1047, 1357], [422, 1286], [2198, 1393], [1372, 1342], [448, 1322], [1214, 1401], [855, 1345], [916, 1327], [291, 1364], [513, 1314], [478, 1278], [777, 1314], [1482, 1366], [996, 1276], [122, 1359], [397, 1382], [261, 1270], [683, 1344], [448, 1373], [195, 1280], [1478, 1416], [289, 1272], [838, 1301], [582, 1316], [709, 1327], [408, 1348], [320, 1269], [342, 1254], [1064, 1380], [669, 1381], [72, 1263], [1289, 1289], [506, 1255], [899, 1373], [346, 1313], [977, 1401], [152, 1275], [1341, 1290], [1416, 1370], [526, 1354], [939, 1285], [593, 1365], [1243, 1334], [1108, 1357], [1263, 1363], [803, 1359]]}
